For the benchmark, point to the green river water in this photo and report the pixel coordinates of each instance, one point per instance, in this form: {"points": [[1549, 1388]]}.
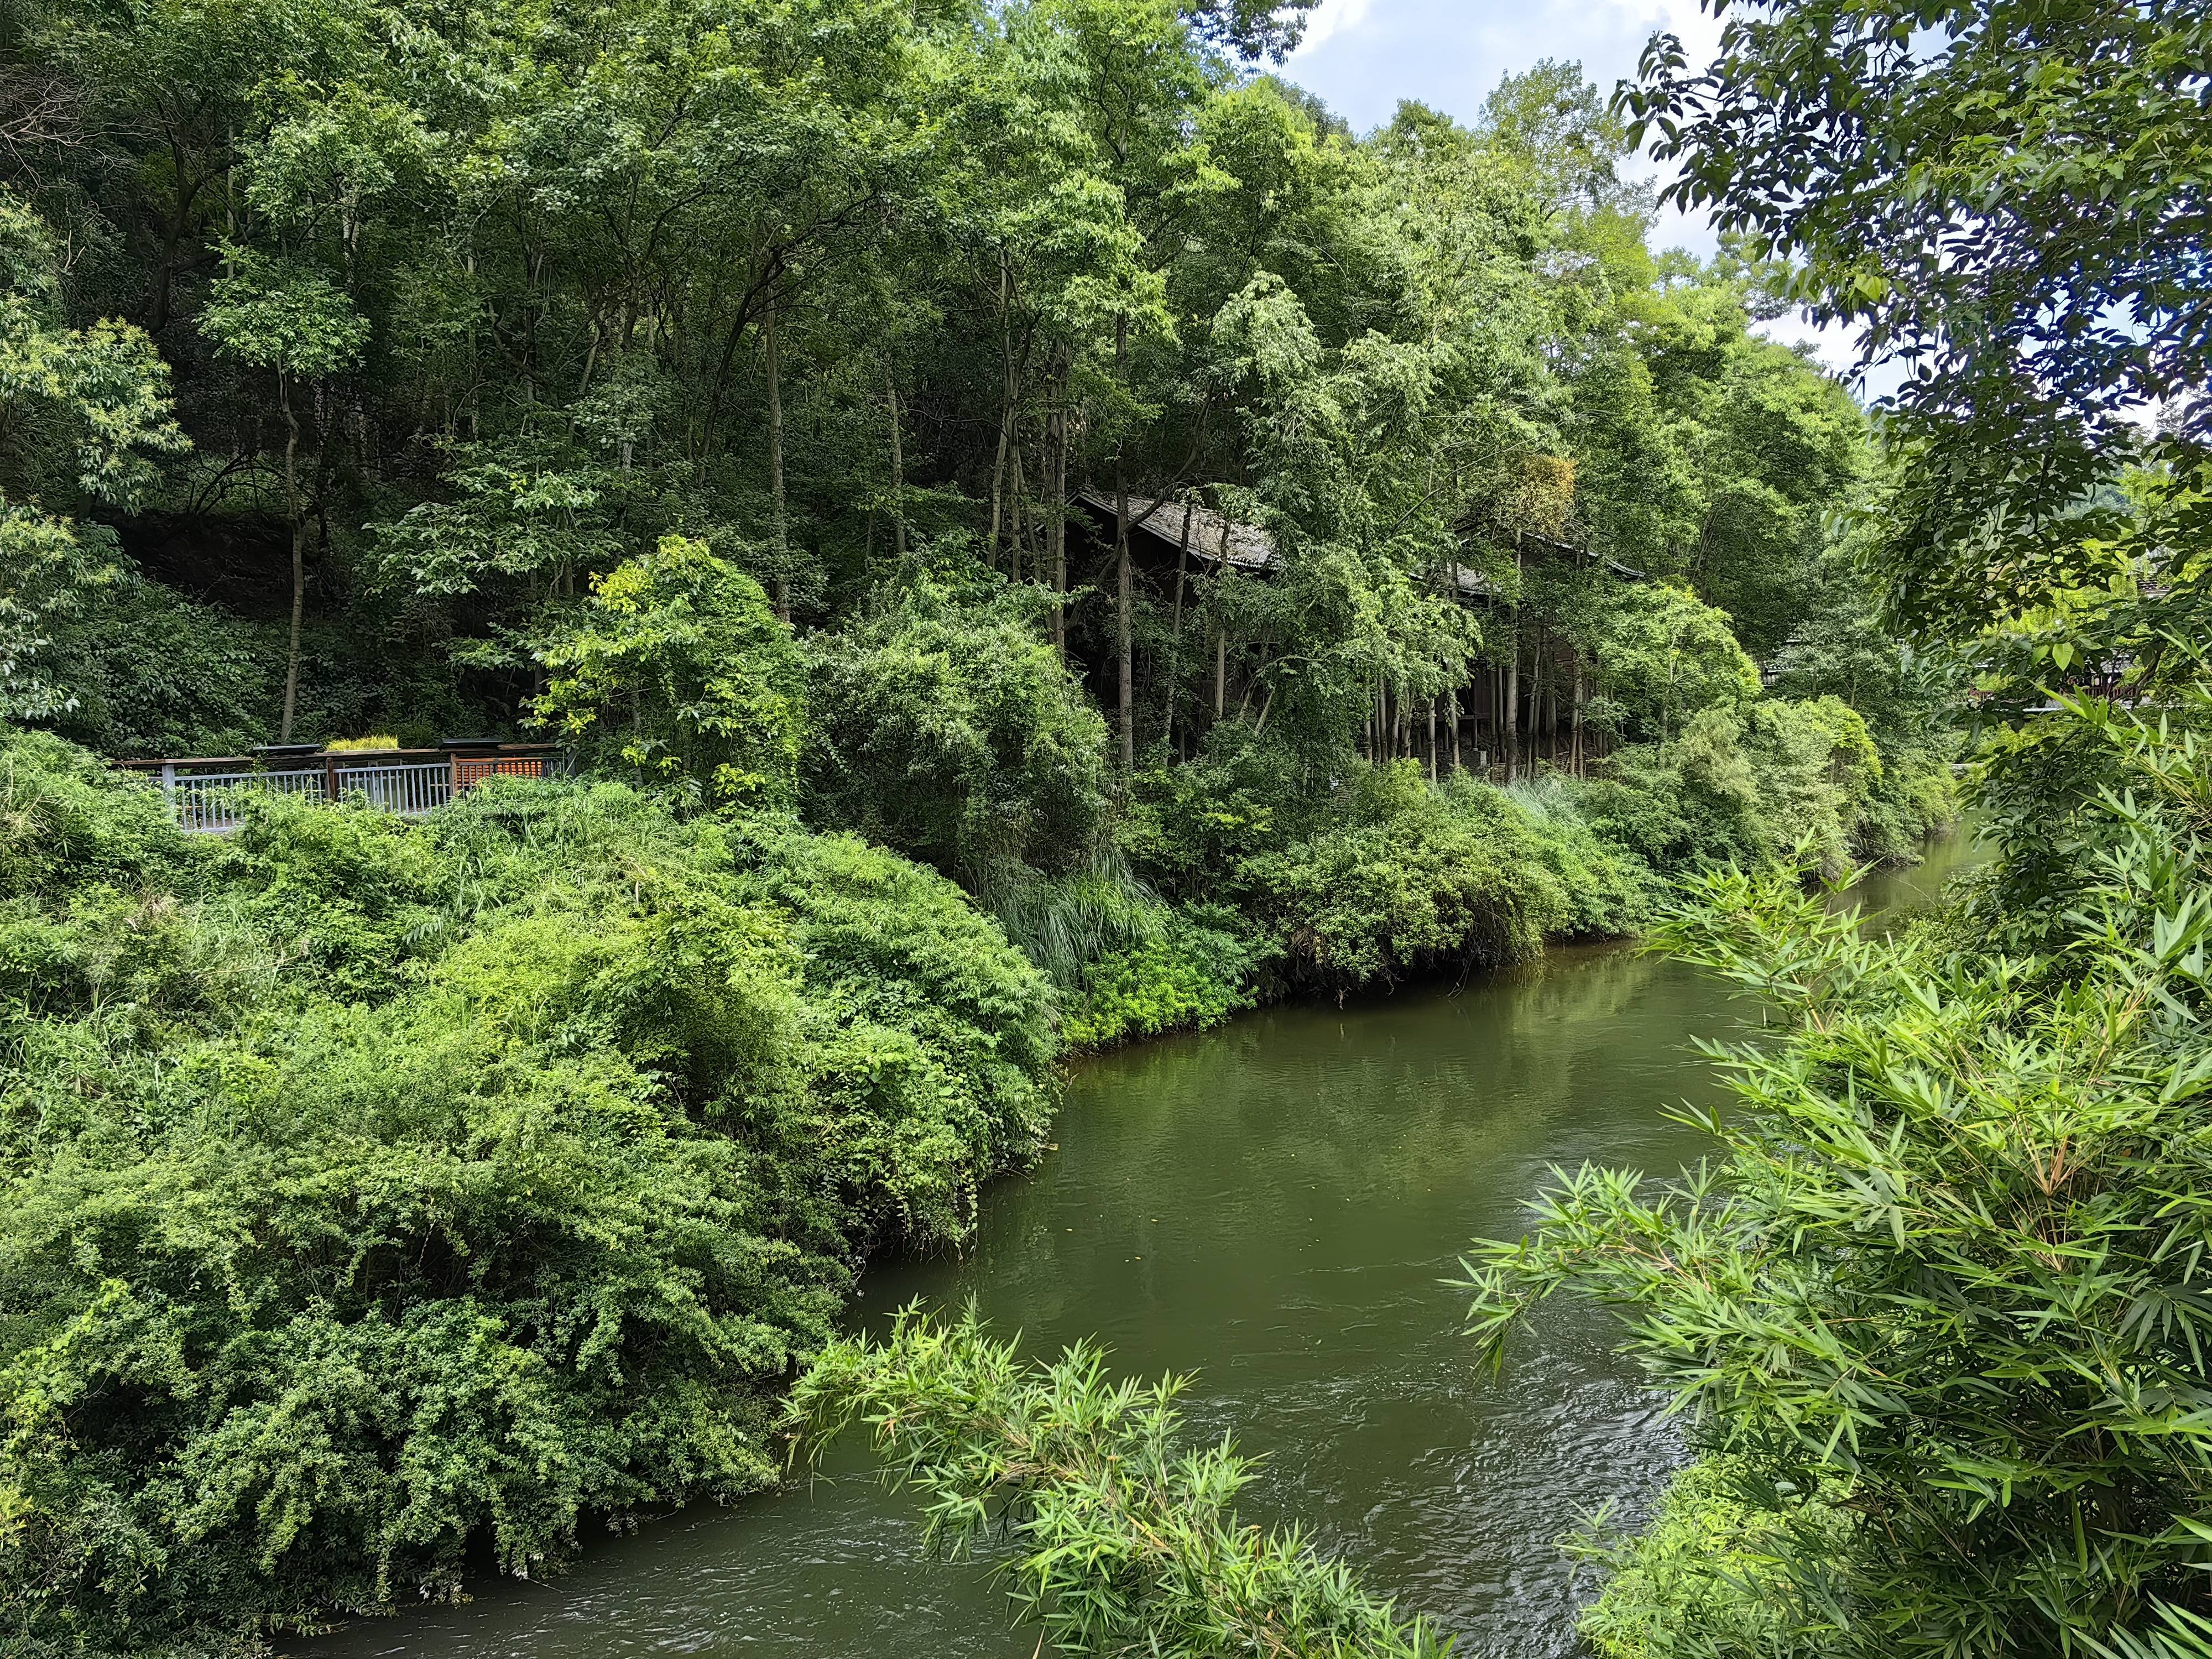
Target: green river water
{"points": [[1272, 1207]]}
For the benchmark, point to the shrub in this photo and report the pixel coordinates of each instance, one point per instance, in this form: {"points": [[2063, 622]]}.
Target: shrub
{"points": [[1610, 891], [952, 732], [677, 669], [157, 673], [371, 1191], [1665, 656], [1815, 771], [1760, 784], [1198, 969], [1701, 1580], [1124, 1540], [66, 818], [1413, 882], [1187, 826]]}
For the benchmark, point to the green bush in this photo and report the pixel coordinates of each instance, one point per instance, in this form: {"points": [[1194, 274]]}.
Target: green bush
{"points": [[676, 667], [1188, 826], [1198, 969], [1760, 784], [1946, 1268], [1123, 1537], [1414, 880], [369, 1191], [65, 819], [951, 731], [1664, 656], [1703, 1579], [156, 673]]}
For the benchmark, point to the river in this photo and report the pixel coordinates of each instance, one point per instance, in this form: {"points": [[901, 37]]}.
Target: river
{"points": [[1273, 1206]]}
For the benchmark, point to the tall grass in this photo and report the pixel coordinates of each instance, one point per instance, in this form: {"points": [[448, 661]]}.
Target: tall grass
{"points": [[1065, 923]]}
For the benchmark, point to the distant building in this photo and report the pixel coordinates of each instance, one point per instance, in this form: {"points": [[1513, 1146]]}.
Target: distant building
{"points": [[1540, 695]]}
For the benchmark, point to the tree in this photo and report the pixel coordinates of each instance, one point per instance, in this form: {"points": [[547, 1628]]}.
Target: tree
{"points": [[944, 727], [296, 323], [83, 411], [1667, 654], [677, 667], [2008, 198]]}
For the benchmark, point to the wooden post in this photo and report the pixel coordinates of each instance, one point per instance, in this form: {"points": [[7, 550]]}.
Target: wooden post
{"points": [[1174, 639]]}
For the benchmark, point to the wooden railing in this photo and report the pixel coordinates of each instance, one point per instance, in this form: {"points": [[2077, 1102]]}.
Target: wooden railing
{"points": [[211, 795]]}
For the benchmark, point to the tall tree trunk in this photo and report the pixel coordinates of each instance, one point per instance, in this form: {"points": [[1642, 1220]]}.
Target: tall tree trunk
{"points": [[1017, 516], [299, 553], [1220, 669], [1452, 708], [1535, 698], [1510, 727], [1575, 728], [1175, 638], [1056, 530], [1005, 419], [1432, 739], [898, 470], [1123, 598], [775, 465]]}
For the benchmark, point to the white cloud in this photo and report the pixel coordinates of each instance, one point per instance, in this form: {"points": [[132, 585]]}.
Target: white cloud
{"points": [[1331, 17]]}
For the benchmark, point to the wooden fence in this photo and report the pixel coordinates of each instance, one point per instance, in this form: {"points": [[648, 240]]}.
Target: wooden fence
{"points": [[210, 794]]}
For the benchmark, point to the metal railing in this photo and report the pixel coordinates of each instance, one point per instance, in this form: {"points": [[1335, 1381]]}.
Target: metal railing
{"points": [[214, 796], [409, 788], [214, 803]]}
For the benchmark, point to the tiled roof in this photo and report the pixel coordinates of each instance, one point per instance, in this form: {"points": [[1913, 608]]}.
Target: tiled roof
{"points": [[1249, 547]]}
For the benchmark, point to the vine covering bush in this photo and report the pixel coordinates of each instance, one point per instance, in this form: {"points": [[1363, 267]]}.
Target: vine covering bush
{"points": [[368, 1190]]}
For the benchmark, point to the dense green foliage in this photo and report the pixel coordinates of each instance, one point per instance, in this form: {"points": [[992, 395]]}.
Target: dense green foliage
{"points": [[1936, 1312], [952, 732], [374, 1191], [1123, 1537], [1702, 1575], [2009, 197], [730, 394], [676, 668], [1945, 1262], [830, 291]]}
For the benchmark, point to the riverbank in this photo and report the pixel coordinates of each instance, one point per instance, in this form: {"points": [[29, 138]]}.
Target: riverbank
{"points": [[1393, 878], [383, 1200]]}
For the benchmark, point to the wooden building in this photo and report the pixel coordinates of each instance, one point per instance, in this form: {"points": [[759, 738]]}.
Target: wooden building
{"points": [[1508, 716]]}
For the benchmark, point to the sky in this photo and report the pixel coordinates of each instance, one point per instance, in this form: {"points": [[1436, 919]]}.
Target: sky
{"points": [[1363, 56]]}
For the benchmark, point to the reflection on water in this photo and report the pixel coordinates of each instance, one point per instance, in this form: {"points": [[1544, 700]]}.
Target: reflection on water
{"points": [[1273, 1206]]}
